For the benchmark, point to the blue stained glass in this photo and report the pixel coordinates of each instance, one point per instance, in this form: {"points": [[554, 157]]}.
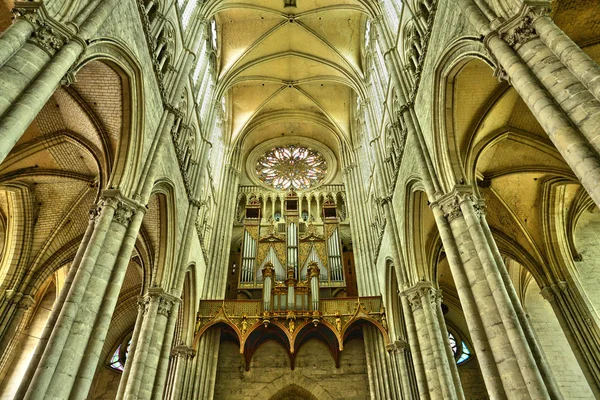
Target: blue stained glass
{"points": [[461, 354], [466, 354]]}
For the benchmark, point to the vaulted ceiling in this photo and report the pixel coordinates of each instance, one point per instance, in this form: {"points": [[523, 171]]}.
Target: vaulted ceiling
{"points": [[291, 71]]}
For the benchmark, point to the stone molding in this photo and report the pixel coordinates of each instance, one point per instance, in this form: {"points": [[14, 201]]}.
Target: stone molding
{"points": [[125, 208], [19, 299], [450, 202], [165, 301], [183, 351], [422, 291], [399, 346], [552, 291], [49, 35]]}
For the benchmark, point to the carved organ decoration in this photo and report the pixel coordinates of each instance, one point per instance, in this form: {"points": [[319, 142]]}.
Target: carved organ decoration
{"points": [[291, 248]]}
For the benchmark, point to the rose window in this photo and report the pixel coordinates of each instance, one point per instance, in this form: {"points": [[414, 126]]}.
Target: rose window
{"points": [[291, 167]]}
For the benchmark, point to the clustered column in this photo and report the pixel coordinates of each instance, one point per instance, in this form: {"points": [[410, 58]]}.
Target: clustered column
{"points": [[505, 354], [438, 378], [138, 380], [81, 325]]}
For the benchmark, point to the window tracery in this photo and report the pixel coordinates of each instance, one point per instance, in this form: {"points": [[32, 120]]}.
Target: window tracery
{"points": [[291, 167]]}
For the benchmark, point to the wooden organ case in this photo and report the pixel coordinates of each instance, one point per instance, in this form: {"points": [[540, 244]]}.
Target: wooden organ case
{"points": [[291, 256]]}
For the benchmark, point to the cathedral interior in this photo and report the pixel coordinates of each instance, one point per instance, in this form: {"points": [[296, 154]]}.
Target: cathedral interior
{"points": [[299, 199]]}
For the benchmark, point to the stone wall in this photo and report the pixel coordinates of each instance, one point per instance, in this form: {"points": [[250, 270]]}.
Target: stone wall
{"points": [[472, 381], [106, 384], [27, 344], [587, 235], [567, 372], [270, 372]]}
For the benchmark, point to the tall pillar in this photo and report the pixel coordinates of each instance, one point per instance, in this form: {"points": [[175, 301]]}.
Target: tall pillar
{"points": [[423, 301], [56, 372], [53, 51], [182, 360], [517, 369], [570, 118], [146, 355]]}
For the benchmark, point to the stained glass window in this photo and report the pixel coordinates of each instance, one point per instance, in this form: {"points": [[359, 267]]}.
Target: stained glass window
{"points": [[461, 350], [119, 357], [291, 167]]}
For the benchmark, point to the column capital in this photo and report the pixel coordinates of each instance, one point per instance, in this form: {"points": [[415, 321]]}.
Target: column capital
{"points": [[165, 300], [124, 208], [450, 202], [313, 269], [422, 291], [49, 34], [183, 351], [268, 270]]}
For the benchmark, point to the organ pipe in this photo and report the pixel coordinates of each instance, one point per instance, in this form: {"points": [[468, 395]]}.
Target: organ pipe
{"points": [[248, 256]]}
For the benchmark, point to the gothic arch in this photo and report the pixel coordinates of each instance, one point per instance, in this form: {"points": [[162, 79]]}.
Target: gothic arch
{"points": [[164, 235], [279, 386], [128, 155], [446, 153]]}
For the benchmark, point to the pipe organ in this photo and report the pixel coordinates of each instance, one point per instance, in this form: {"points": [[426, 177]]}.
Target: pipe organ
{"points": [[289, 256]]}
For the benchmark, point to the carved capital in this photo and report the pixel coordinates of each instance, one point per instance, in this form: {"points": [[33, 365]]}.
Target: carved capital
{"points": [[164, 306], [520, 33], [123, 214], [183, 352], [48, 34], [519, 29], [268, 270], [548, 294], [163, 300], [450, 203], [124, 207], [422, 293]]}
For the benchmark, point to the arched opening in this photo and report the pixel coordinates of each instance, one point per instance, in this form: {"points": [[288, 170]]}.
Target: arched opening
{"points": [[28, 333], [293, 392]]}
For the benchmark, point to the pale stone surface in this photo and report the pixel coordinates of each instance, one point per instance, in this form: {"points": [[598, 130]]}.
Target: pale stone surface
{"points": [[314, 365]]}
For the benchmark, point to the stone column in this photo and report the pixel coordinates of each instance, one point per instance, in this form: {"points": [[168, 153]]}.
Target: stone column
{"points": [[182, 356], [582, 336], [115, 279], [570, 117], [145, 360], [34, 85], [13, 38], [430, 341], [578, 62], [534, 345], [447, 347], [481, 344], [77, 317], [132, 349], [150, 388], [518, 371], [58, 304]]}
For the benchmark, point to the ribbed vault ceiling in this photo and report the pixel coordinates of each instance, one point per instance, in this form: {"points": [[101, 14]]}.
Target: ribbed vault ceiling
{"points": [[289, 70]]}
